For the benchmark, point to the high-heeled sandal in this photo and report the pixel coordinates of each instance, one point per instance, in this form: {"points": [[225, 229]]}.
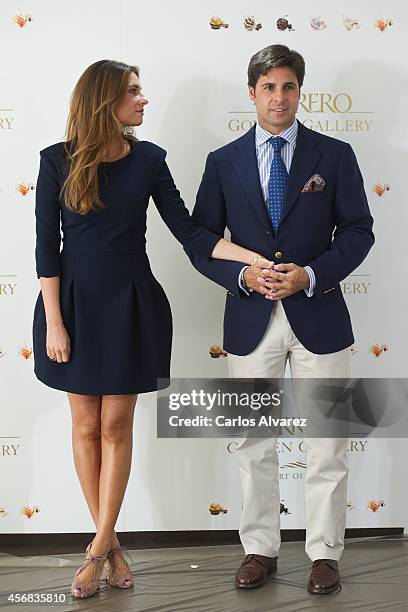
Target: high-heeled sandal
{"points": [[126, 580], [87, 589]]}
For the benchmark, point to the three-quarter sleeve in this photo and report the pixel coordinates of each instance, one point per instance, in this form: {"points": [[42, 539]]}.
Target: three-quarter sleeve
{"points": [[48, 219], [174, 213]]}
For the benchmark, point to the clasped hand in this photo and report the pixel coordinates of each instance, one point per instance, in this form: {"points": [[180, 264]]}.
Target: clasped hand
{"points": [[278, 281]]}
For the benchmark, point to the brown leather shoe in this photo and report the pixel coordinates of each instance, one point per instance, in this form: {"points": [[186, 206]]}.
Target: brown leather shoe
{"points": [[254, 570], [324, 577]]}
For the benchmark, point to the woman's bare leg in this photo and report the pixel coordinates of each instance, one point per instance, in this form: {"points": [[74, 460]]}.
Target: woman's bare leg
{"points": [[117, 413], [86, 446], [102, 428]]}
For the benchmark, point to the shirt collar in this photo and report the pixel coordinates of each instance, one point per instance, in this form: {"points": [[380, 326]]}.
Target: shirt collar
{"points": [[290, 134]]}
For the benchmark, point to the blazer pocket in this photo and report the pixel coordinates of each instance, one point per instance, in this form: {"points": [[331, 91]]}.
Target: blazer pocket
{"points": [[311, 196]]}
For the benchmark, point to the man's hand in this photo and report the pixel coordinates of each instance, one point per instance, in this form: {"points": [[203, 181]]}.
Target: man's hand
{"points": [[281, 282], [252, 273]]}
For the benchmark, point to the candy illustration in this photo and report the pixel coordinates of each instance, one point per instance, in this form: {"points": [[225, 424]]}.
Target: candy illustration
{"points": [[375, 505], [25, 352], [29, 511], [25, 188], [22, 20], [318, 24], [383, 24], [350, 24], [250, 24], [378, 349], [380, 189], [283, 24]]}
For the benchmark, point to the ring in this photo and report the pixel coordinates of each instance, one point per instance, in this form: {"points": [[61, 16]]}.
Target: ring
{"points": [[52, 357]]}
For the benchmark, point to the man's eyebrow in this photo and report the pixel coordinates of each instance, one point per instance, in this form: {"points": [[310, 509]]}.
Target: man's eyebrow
{"points": [[135, 85], [272, 83]]}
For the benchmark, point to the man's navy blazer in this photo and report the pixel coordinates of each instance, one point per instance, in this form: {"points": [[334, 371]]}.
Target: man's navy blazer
{"points": [[329, 230]]}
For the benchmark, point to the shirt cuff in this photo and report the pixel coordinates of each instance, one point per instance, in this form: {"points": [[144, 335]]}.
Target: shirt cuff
{"points": [[241, 283], [312, 282]]}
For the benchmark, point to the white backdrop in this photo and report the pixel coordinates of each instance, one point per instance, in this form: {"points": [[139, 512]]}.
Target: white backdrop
{"points": [[195, 78]]}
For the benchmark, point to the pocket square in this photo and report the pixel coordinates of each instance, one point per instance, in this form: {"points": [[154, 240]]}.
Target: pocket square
{"points": [[315, 183]]}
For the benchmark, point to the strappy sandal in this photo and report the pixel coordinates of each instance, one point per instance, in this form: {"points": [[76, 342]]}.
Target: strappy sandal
{"points": [[125, 581], [82, 590]]}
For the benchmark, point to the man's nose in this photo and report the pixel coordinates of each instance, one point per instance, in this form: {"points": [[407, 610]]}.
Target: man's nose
{"points": [[143, 100], [279, 94]]}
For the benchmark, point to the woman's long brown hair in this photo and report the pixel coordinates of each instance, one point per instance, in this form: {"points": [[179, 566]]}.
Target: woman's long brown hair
{"points": [[93, 131]]}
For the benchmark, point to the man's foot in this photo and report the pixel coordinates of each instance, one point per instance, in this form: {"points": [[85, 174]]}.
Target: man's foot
{"points": [[254, 571], [324, 577]]}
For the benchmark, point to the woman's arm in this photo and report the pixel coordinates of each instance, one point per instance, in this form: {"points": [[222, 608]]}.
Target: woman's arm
{"points": [[224, 249], [191, 235], [47, 253], [58, 342]]}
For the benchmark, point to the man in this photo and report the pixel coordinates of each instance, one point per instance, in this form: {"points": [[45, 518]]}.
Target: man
{"points": [[297, 197]]}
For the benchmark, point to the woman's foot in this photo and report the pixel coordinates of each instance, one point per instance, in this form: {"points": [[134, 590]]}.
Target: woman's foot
{"points": [[86, 580], [118, 574]]}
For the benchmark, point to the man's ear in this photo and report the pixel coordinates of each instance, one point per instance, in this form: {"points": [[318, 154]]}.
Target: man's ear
{"points": [[251, 93]]}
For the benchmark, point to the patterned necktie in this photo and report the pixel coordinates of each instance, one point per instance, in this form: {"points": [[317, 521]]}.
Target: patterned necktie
{"points": [[278, 182]]}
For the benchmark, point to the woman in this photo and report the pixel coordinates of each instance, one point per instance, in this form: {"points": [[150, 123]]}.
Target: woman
{"points": [[102, 323]]}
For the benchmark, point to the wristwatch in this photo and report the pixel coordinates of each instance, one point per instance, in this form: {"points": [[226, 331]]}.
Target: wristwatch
{"points": [[242, 281]]}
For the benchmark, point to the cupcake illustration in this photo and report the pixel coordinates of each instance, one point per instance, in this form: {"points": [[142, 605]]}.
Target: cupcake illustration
{"points": [[216, 23], [216, 351], [215, 509]]}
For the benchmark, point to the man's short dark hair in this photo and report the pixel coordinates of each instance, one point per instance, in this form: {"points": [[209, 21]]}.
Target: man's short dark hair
{"points": [[275, 56]]}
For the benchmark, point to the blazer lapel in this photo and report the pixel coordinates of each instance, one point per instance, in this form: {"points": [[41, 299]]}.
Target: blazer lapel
{"points": [[304, 160], [245, 164]]}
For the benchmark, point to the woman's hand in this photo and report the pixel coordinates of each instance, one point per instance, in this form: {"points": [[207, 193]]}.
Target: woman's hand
{"points": [[58, 343], [261, 263]]}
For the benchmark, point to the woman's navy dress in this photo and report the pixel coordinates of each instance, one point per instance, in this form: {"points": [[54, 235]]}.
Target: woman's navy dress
{"points": [[115, 312]]}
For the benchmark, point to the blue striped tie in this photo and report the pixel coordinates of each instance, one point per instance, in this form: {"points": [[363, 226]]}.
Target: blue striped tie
{"points": [[278, 182]]}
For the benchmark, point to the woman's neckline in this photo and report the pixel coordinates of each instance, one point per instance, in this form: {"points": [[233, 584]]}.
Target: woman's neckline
{"points": [[120, 159]]}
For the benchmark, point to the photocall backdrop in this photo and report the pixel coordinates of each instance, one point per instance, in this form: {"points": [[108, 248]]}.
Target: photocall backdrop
{"points": [[193, 61]]}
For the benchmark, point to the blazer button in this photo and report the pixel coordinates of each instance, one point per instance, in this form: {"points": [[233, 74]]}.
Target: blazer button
{"points": [[278, 255]]}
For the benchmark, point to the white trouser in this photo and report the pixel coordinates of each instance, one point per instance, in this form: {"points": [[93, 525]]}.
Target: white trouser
{"points": [[326, 476]]}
